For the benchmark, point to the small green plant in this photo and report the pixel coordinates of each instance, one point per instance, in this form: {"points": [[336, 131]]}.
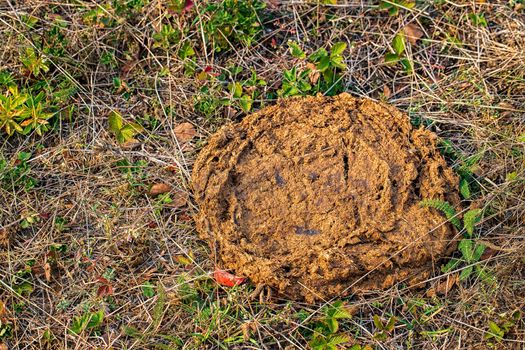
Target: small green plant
{"points": [[393, 6], [399, 46], [28, 219], [465, 168], [498, 330], [232, 21], [470, 250], [295, 83], [123, 131], [17, 174], [383, 329], [23, 112], [324, 64], [88, 321], [326, 335], [166, 37], [33, 62], [478, 19], [329, 64]]}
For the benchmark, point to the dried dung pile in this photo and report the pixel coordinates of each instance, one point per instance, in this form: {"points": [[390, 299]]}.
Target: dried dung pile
{"points": [[319, 196]]}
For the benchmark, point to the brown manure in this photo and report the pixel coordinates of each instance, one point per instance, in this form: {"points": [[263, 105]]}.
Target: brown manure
{"points": [[319, 196]]}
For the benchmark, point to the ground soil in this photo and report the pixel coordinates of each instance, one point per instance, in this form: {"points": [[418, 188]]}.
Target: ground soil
{"points": [[319, 196]]}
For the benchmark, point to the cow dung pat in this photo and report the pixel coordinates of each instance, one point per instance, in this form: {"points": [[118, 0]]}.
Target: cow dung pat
{"points": [[318, 197]]}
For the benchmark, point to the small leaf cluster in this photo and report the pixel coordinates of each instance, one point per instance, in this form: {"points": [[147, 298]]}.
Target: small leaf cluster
{"points": [[88, 321], [465, 167], [383, 329], [322, 64], [16, 174], [232, 21], [22, 112], [326, 334], [393, 6], [123, 131], [470, 250], [498, 330], [398, 54]]}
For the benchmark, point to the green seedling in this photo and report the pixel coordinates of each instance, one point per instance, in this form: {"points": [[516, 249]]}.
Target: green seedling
{"points": [[470, 250], [383, 329], [398, 54], [88, 321], [326, 335], [123, 131], [393, 6]]}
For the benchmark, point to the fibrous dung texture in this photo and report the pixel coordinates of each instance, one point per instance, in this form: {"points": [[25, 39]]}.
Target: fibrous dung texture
{"points": [[319, 197]]}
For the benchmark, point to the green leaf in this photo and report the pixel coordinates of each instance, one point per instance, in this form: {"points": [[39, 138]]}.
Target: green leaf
{"points": [[470, 219], [246, 103], [478, 252], [384, 5], [127, 132], [96, 319], [496, 330], [466, 247], [115, 121], [378, 323], [147, 289], [324, 63], [295, 50], [317, 55], [464, 188], [451, 265], [392, 11], [186, 50], [333, 325], [391, 57], [390, 325], [399, 43], [236, 89], [337, 49], [407, 65], [465, 273]]}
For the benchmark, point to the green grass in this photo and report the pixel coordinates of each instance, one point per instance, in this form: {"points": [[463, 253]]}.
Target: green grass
{"points": [[92, 97]]}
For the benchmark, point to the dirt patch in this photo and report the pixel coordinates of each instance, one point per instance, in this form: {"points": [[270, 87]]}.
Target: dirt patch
{"points": [[319, 197]]}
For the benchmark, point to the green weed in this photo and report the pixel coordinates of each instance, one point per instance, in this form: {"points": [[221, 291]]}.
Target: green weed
{"points": [[88, 321], [123, 131], [326, 335], [232, 21], [16, 174], [471, 251], [393, 6], [398, 55]]}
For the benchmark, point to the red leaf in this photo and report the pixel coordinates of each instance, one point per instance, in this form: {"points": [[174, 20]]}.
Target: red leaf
{"points": [[102, 280], [104, 290], [188, 5], [227, 279]]}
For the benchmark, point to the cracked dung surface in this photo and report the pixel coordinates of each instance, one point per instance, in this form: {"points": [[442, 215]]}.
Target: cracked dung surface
{"points": [[319, 196]]}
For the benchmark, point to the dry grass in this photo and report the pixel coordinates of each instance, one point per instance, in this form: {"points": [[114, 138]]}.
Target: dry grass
{"points": [[472, 94]]}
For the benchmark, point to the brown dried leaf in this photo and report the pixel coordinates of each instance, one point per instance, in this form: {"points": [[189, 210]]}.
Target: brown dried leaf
{"points": [[443, 287], [314, 73], [413, 33], [185, 132], [387, 92], [178, 200], [159, 188], [4, 237], [47, 271]]}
